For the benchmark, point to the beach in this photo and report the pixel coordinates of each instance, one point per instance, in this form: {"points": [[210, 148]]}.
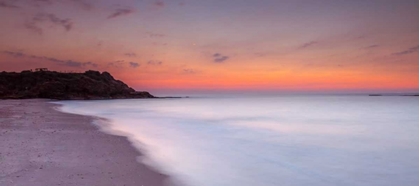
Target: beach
{"points": [[42, 146], [229, 141]]}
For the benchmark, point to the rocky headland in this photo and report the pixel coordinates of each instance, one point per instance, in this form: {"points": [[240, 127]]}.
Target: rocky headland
{"points": [[65, 86]]}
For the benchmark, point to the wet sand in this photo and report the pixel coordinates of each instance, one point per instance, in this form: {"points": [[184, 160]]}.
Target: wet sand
{"points": [[40, 146]]}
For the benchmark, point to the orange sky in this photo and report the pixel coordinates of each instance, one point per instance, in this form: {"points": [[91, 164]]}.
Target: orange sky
{"points": [[270, 45]]}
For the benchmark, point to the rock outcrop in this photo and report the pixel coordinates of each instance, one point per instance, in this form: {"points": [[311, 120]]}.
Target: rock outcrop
{"points": [[65, 86]]}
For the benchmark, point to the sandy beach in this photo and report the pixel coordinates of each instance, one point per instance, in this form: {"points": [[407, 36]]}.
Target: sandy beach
{"points": [[41, 146]]}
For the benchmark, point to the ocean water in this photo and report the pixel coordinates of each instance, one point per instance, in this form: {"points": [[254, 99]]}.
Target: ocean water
{"points": [[271, 141]]}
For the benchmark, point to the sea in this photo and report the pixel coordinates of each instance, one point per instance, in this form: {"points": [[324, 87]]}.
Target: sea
{"points": [[301, 140]]}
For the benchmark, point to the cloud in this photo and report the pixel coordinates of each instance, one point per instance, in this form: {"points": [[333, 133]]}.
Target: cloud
{"points": [[71, 63], [219, 58], [155, 35], [372, 46], [83, 4], [68, 63], [134, 64], [120, 12], [130, 54], [4, 4], [189, 71], [408, 51], [117, 64], [14, 54], [308, 44], [33, 24], [152, 62], [260, 54], [91, 63], [38, 3], [67, 24], [160, 4], [78, 3]]}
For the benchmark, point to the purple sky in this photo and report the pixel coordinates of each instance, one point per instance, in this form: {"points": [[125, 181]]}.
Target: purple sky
{"points": [[296, 45]]}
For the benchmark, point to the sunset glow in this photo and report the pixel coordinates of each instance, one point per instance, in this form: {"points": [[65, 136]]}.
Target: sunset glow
{"points": [[268, 45]]}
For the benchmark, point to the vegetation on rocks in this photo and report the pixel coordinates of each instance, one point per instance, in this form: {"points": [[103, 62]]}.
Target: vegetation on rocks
{"points": [[65, 86]]}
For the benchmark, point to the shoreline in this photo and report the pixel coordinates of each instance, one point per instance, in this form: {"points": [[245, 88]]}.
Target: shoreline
{"points": [[44, 146]]}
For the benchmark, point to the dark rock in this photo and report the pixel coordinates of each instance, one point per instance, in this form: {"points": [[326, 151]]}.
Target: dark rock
{"points": [[65, 86]]}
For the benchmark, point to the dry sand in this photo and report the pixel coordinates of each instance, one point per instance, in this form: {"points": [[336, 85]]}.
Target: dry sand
{"points": [[40, 146]]}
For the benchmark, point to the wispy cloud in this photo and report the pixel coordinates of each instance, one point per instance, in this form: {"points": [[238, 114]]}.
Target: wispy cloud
{"points": [[40, 3], [308, 44], [83, 4], [4, 4], [408, 51], [219, 58], [153, 62], [123, 64], [34, 23], [160, 4], [155, 35], [134, 64], [120, 12], [118, 64], [189, 71], [67, 24], [14, 54], [32, 26], [130, 54], [372, 46], [69, 63], [260, 54]]}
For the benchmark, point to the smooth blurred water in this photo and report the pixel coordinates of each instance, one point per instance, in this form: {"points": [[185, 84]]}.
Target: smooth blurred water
{"points": [[271, 141]]}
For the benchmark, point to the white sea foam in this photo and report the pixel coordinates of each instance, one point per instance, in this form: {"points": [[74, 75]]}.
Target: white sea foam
{"points": [[271, 141]]}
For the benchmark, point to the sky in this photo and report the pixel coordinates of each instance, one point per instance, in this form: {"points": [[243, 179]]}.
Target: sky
{"points": [[220, 45]]}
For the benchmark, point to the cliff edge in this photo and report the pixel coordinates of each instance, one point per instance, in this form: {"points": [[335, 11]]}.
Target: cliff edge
{"points": [[65, 86]]}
